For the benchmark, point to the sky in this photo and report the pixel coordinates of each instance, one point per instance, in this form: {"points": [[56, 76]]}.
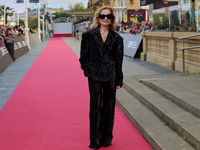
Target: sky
{"points": [[58, 4]]}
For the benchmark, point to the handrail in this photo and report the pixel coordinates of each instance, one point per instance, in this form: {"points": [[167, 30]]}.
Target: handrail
{"points": [[185, 37], [186, 48]]}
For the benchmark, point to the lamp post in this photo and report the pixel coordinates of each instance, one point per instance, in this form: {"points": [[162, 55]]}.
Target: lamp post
{"points": [[26, 24], [43, 27], [39, 19], [18, 18]]}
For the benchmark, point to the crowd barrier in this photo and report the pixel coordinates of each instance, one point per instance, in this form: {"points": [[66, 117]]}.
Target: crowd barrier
{"points": [[34, 40], [132, 44], [14, 48], [5, 58]]}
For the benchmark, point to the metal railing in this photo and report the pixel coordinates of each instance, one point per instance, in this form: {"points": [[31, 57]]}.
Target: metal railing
{"points": [[187, 48]]}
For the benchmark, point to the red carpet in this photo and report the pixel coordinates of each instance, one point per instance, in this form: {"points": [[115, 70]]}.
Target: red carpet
{"points": [[49, 109]]}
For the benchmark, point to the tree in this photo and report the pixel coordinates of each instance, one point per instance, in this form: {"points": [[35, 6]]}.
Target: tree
{"points": [[7, 13], [77, 8], [61, 14], [21, 23], [33, 22]]}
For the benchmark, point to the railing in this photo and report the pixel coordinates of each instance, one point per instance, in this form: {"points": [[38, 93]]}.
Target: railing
{"points": [[187, 48]]}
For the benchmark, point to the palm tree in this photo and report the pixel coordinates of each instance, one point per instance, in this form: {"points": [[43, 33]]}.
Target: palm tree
{"points": [[7, 13]]}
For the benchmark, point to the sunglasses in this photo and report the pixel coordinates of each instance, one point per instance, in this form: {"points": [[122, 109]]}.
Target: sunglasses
{"points": [[102, 16]]}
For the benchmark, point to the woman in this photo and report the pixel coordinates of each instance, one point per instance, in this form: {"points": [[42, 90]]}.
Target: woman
{"points": [[101, 60], [127, 29]]}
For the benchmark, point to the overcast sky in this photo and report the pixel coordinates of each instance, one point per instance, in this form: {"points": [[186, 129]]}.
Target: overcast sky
{"points": [[58, 4]]}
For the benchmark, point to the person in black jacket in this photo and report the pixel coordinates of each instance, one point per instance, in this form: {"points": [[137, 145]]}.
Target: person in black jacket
{"points": [[101, 60]]}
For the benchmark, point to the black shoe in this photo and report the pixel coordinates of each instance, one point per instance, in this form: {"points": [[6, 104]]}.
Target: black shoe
{"points": [[94, 146]]}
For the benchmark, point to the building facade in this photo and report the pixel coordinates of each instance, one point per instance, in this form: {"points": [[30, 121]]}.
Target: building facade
{"points": [[125, 10]]}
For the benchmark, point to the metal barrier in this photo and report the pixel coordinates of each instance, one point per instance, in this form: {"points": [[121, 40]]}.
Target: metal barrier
{"points": [[187, 48]]}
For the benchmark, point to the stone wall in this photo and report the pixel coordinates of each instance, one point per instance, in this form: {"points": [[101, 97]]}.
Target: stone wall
{"points": [[162, 48]]}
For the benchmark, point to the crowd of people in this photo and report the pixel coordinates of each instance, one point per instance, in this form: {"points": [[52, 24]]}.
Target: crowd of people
{"points": [[181, 27], [6, 31], [135, 27]]}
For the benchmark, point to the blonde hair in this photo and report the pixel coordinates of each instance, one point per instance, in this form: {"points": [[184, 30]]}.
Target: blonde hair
{"points": [[96, 24]]}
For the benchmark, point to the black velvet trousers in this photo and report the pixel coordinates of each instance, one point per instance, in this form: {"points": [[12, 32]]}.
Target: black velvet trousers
{"points": [[102, 107]]}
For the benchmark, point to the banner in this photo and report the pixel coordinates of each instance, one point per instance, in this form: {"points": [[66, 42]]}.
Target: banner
{"points": [[131, 44], [20, 46], [5, 58]]}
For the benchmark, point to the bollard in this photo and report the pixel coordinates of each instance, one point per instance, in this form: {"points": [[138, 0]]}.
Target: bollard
{"points": [[10, 46]]}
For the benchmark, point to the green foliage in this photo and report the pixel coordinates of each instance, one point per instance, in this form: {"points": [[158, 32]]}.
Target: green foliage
{"points": [[77, 8], [7, 14], [61, 14], [21, 23], [158, 21], [32, 22]]}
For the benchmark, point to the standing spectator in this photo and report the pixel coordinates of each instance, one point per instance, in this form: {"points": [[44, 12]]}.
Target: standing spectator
{"points": [[186, 28], [143, 26], [31, 30], [181, 27], [126, 28], [132, 27], [175, 28], [117, 27], [121, 28], [191, 28], [153, 27]]}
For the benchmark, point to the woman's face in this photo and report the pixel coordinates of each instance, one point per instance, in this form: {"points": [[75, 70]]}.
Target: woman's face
{"points": [[107, 20]]}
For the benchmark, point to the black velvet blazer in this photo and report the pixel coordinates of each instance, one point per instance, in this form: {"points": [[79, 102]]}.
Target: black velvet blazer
{"points": [[102, 61]]}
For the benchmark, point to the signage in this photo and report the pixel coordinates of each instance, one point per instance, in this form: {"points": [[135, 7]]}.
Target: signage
{"points": [[19, 1], [33, 1], [20, 46], [5, 58], [147, 2], [131, 43]]}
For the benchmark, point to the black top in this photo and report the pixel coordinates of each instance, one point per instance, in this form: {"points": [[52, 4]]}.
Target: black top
{"points": [[102, 61]]}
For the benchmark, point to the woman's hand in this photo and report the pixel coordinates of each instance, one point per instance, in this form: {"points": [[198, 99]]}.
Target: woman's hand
{"points": [[118, 87]]}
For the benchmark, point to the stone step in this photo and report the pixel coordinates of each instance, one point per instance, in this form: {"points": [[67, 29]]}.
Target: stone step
{"points": [[152, 128], [180, 95], [183, 122]]}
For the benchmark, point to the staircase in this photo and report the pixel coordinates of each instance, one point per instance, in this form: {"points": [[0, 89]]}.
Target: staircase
{"points": [[165, 113]]}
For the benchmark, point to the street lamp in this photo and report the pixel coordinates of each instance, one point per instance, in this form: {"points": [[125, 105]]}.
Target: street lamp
{"points": [[26, 25], [39, 20]]}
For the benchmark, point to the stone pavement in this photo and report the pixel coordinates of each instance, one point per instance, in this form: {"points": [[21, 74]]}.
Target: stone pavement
{"points": [[144, 98]]}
